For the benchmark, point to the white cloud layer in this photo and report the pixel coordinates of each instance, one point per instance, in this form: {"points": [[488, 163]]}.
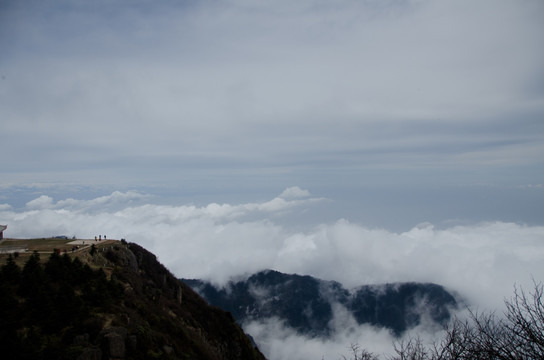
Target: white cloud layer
{"points": [[279, 342], [479, 262], [216, 241]]}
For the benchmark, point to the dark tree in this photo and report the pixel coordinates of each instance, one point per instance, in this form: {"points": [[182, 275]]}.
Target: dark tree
{"points": [[525, 315], [358, 353], [519, 335], [10, 273]]}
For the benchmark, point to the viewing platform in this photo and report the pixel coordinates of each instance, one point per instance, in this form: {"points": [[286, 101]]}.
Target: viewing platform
{"points": [[23, 248]]}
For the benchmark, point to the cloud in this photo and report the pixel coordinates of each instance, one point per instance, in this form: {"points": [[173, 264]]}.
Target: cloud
{"points": [[240, 91], [479, 262], [102, 203], [117, 198], [294, 192], [42, 202], [280, 342]]}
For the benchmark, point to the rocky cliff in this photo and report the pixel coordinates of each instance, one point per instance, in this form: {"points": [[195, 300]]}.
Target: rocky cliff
{"points": [[114, 302]]}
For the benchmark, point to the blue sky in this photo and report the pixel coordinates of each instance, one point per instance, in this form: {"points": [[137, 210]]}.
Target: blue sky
{"points": [[312, 126]]}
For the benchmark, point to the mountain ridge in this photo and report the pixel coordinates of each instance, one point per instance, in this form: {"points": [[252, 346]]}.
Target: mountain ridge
{"points": [[306, 303], [109, 301]]}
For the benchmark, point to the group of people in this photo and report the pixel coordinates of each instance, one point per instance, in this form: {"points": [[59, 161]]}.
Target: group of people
{"points": [[99, 238]]}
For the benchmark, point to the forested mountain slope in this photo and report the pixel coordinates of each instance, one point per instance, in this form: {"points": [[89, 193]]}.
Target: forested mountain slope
{"points": [[113, 302], [307, 304]]}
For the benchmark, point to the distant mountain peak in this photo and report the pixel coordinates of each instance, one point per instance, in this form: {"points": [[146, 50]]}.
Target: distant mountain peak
{"points": [[306, 304]]}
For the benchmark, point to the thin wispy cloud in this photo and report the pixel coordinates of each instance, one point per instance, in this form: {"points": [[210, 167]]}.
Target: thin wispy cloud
{"points": [[127, 90]]}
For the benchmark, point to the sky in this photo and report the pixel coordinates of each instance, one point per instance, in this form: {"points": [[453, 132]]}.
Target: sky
{"points": [[399, 111], [360, 141]]}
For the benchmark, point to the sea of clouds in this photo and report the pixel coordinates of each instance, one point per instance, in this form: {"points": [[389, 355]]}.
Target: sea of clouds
{"points": [[480, 263]]}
